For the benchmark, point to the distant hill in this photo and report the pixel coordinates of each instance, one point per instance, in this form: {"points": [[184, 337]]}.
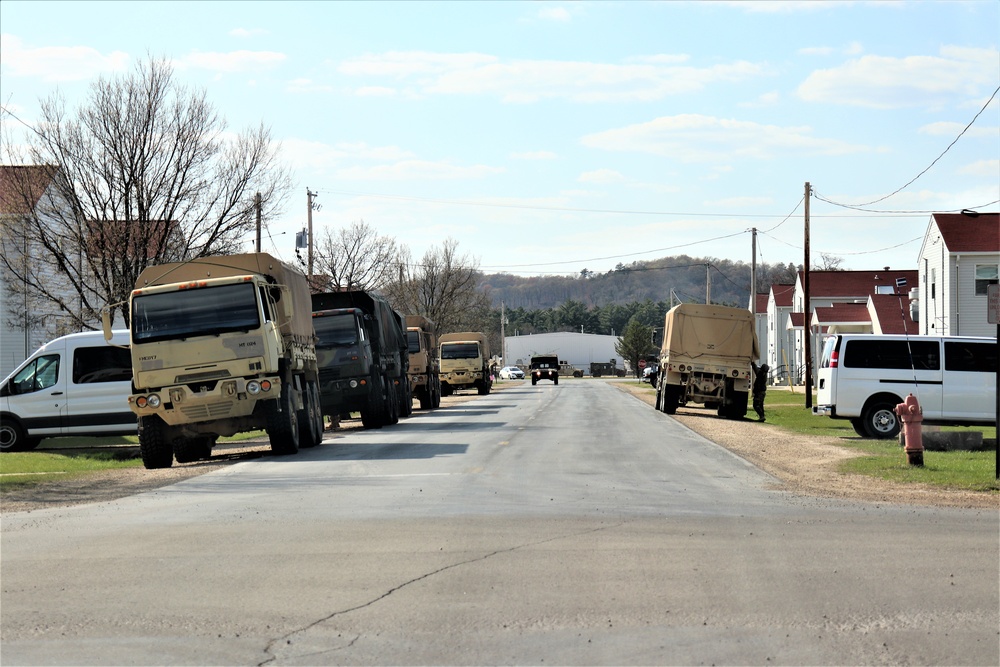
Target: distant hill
{"points": [[650, 280]]}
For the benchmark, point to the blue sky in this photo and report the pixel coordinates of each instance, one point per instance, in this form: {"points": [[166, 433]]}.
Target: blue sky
{"points": [[550, 137]]}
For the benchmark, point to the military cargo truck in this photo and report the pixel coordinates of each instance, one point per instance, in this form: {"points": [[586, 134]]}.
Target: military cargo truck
{"points": [[363, 358], [425, 366], [465, 362], [706, 356], [222, 345]]}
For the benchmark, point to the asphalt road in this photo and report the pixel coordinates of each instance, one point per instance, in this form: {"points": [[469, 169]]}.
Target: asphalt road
{"points": [[539, 525]]}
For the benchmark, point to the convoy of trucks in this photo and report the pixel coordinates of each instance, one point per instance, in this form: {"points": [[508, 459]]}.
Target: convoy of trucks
{"points": [[222, 345], [425, 367], [706, 358], [465, 359], [363, 358]]}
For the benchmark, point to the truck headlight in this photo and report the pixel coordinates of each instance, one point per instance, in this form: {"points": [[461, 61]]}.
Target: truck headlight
{"points": [[354, 384], [253, 387], [151, 401]]}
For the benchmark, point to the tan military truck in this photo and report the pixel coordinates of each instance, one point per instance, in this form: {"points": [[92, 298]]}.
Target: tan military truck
{"points": [[706, 356], [465, 362], [222, 345], [425, 366]]}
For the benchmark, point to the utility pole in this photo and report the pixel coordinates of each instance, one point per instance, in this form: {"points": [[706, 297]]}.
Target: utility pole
{"points": [[753, 271], [309, 256], [806, 324], [503, 337], [708, 284], [256, 205]]}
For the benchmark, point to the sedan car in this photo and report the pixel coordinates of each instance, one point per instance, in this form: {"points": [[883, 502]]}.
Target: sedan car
{"points": [[511, 373]]}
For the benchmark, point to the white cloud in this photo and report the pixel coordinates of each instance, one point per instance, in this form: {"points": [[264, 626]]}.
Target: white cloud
{"points": [[883, 82], [982, 168], [764, 100], [534, 155], [247, 32], [950, 129], [232, 61], [524, 81], [416, 170], [602, 176], [57, 63], [698, 138], [555, 14]]}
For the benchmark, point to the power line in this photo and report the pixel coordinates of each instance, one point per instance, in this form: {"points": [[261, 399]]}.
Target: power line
{"points": [[910, 182]]}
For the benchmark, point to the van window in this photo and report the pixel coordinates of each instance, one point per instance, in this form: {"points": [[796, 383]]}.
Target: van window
{"points": [[971, 356], [893, 354], [827, 355], [101, 364], [39, 374]]}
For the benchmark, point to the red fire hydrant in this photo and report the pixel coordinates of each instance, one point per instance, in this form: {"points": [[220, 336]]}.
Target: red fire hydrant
{"points": [[912, 417]]}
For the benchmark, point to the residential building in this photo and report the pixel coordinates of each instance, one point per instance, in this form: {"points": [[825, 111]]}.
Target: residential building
{"points": [[779, 350], [959, 259]]}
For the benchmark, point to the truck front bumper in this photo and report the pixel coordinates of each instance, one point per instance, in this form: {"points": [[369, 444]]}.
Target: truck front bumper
{"points": [[232, 398]]}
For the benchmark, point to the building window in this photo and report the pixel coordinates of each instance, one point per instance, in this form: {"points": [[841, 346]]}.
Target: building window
{"points": [[986, 275]]}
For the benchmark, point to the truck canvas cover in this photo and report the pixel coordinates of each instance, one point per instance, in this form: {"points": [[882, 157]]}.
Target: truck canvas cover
{"points": [[696, 330]]}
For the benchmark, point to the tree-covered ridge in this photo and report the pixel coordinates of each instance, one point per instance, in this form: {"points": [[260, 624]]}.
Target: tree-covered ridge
{"points": [[604, 303]]}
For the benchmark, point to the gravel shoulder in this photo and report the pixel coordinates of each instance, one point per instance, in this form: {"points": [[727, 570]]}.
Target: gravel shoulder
{"points": [[804, 465]]}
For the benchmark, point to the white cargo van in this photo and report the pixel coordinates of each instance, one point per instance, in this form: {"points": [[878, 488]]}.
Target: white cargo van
{"points": [[862, 377], [74, 385]]}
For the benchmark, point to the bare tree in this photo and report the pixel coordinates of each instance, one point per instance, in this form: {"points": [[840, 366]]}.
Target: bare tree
{"points": [[144, 172], [443, 287], [357, 258], [829, 262]]}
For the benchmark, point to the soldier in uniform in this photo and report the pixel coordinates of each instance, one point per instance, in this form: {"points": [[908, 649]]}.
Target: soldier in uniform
{"points": [[759, 388]]}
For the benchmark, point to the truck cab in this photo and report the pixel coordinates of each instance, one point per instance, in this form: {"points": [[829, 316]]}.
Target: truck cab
{"points": [[544, 367]]}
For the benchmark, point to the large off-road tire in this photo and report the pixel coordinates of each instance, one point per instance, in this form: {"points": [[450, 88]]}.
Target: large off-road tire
{"points": [[310, 418], [880, 420], [155, 444], [555, 380], [436, 400], [392, 400], [374, 415], [483, 387], [405, 398], [736, 408], [426, 399], [13, 438], [188, 450], [669, 400], [534, 380], [283, 422]]}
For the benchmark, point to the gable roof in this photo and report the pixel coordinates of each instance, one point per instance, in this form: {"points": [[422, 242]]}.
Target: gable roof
{"points": [[783, 294], [842, 313], [966, 233], [760, 303], [892, 316], [854, 284], [21, 186]]}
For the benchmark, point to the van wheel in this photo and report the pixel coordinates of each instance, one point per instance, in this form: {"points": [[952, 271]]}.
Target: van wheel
{"points": [[154, 443], [14, 439], [859, 427], [880, 421]]}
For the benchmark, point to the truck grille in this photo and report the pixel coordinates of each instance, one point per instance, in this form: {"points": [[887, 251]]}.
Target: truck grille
{"points": [[208, 410]]}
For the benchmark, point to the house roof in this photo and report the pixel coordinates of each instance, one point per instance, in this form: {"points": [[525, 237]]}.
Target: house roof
{"points": [[21, 186], [893, 317], [965, 233], [855, 284], [842, 313], [783, 294], [760, 303]]}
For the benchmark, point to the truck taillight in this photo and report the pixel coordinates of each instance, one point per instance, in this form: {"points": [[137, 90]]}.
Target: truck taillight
{"points": [[834, 358]]}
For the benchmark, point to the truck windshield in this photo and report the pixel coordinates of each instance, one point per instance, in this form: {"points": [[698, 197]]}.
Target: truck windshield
{"points": [[459, 350], [336, 331], [413, 341], [206, 311]]}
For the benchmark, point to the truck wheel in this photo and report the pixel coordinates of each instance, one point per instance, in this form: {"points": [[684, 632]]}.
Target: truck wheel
{"points": [[310, 419], [188, 450], [534, 380], [880, 421], [483, 388], [669, 401], [426, 400], [392, 404], [283, 422], [659, 398], [737, 409], [555, 380], [374, 416], [436, 401], [859, 427], [154, 443]]}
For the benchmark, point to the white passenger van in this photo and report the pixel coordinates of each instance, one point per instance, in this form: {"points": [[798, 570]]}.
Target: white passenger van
{"points": [[74, 385], [862, 377]]}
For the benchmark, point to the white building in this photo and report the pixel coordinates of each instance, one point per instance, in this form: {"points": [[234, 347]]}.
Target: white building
{"points": [[959, 259], [579, 349]]}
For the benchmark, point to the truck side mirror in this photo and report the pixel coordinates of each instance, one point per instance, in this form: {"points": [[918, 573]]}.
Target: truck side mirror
{"points": [[106, 324]]}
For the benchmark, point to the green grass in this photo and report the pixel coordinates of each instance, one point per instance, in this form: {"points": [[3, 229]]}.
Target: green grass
{"points": [[63, 458]]}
